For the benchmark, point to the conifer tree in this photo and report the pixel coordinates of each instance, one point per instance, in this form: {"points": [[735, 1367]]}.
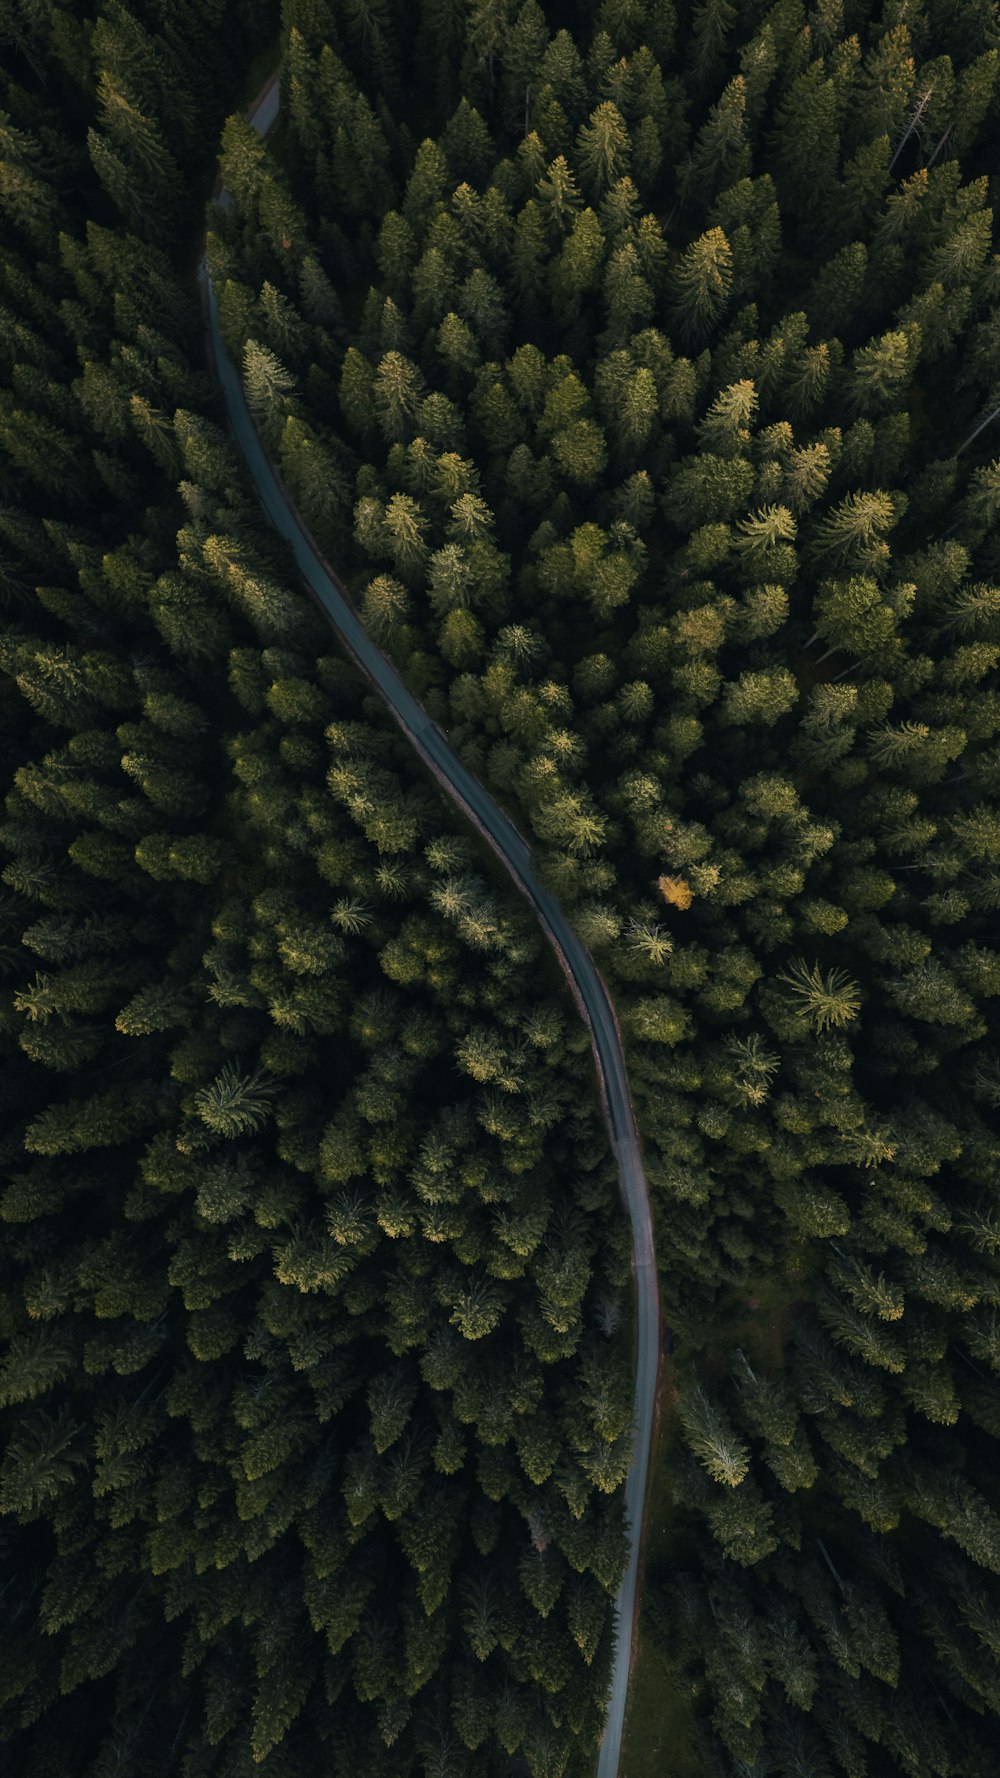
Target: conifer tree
{"points": [[701, 285]]}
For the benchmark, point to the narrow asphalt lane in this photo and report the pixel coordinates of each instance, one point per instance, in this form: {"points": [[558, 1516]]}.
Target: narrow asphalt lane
{"points": [[591, 996]]}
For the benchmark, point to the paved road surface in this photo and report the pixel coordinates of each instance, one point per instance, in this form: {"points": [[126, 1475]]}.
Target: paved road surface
{"points": [[589, 990]]}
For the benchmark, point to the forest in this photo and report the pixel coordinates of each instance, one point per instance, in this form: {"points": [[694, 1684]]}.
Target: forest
{"points": [[637, 365]]}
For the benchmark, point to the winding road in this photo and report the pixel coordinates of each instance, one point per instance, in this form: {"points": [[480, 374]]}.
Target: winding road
{"points": [[589, 991]]}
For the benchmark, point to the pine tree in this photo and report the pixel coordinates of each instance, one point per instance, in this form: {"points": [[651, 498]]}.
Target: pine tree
{"points": [[603, 149], [576, 270], [976, 87], [721, 153], [701, 284], [712, 23], [712, 1439], [234, 1104], [837, 292], [807, 142], [853, 531], [881, 372], [268, 384], [40, 1463], [397, 390], [825, 1001]]}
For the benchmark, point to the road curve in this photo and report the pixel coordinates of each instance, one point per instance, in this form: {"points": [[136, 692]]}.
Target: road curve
{"points": [[589, 991]]}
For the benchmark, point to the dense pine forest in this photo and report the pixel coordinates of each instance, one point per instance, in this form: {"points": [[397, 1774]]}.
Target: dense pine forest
{"points": [[637, 365]]}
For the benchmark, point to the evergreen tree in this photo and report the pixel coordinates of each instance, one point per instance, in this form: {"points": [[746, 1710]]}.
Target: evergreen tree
{"points": [[701, 285]]}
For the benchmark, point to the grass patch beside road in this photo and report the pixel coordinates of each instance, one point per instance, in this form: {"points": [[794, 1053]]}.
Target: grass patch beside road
{"points": [[660, 1738], [659, 1718], [658, 1723]]}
